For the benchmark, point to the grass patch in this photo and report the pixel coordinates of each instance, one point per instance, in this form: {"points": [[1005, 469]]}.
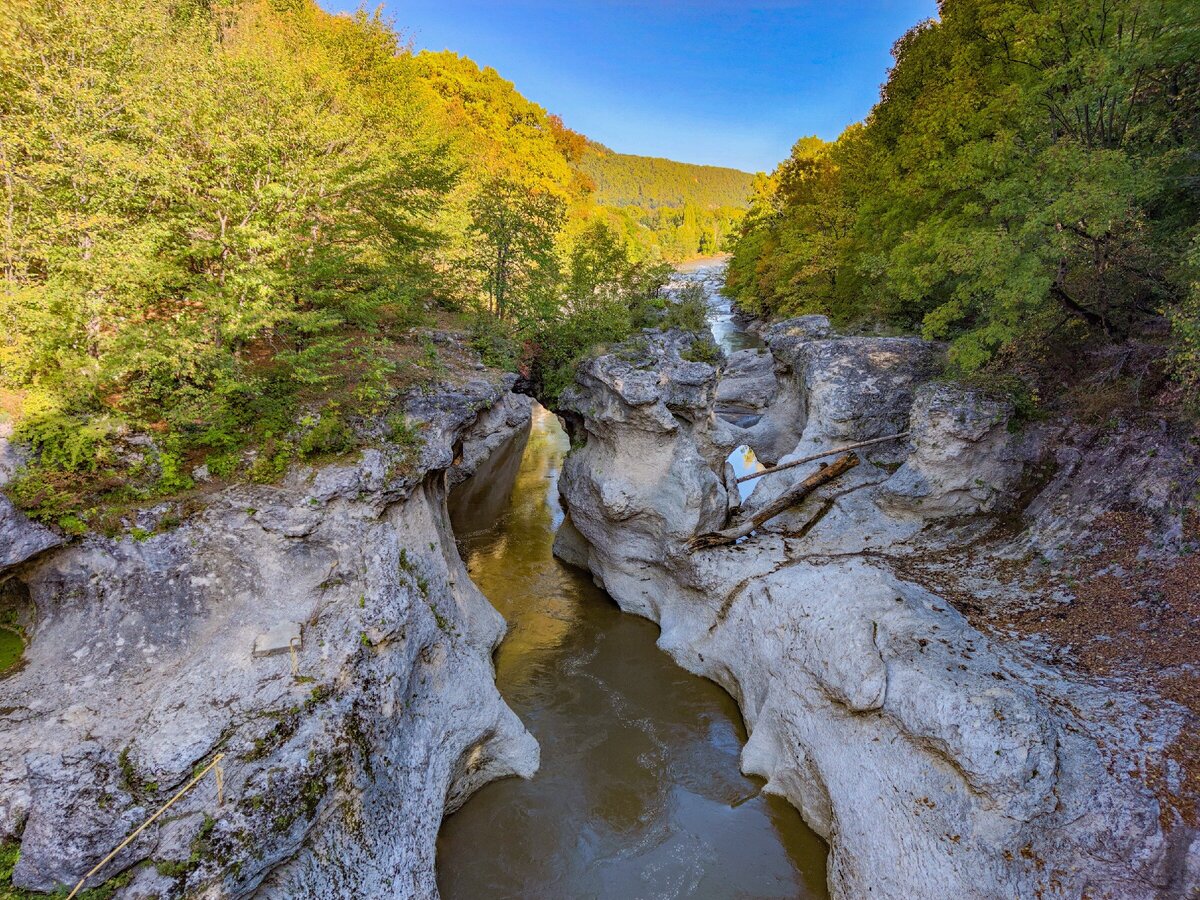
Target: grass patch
{"points": [[12, 646], [702, 350]]}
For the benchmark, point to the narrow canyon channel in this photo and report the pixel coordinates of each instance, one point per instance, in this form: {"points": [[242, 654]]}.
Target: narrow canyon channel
{"points": [[639, 794]]}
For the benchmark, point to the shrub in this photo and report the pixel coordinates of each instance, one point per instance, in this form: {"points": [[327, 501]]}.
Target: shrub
{"points": [[564, 342], [402, 432], [1185, 325], [329, 434], [71, 443], [702, 350], [688, 309], [495, 341]]}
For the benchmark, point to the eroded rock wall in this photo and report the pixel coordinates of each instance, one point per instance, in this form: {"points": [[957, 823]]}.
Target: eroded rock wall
{"points": [[340, 762], [936, 760]]}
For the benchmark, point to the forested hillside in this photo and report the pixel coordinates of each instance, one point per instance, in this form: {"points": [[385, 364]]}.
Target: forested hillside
{"points": [[623, 179], [680, 209], [1026, 185], [224, 221]]}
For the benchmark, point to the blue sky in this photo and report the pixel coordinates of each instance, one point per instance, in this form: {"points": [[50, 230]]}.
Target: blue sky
{"points": [[706, 81]]}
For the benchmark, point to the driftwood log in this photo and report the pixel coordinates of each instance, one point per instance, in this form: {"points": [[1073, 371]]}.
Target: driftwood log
{"points": [[834, 452], [786, 500]]}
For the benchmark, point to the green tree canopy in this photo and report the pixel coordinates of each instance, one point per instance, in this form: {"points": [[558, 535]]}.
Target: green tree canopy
{"points": [[1029, 170], [222, 219]]}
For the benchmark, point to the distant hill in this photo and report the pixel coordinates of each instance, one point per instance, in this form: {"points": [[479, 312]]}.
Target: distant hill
{"points": [[623, 179]]}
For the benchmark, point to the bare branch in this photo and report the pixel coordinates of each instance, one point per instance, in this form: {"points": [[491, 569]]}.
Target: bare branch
{"points": [[796, 493]]}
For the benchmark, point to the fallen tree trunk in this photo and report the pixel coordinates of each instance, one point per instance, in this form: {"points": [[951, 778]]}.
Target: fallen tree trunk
{"points": [[834, 452], [786, 500]]}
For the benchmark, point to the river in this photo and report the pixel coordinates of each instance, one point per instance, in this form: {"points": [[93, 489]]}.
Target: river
{"points": [[710, 274], [639, 794]]}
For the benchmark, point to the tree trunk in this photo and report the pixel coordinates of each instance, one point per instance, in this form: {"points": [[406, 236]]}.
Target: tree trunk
{"points": [[796, 493], [834, 452], [733, 496]]}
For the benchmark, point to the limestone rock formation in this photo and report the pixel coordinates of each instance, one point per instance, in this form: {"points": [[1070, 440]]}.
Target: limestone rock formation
{"points": [[340, 761], [748, 381], [936, 760], [964, 458], [21, 539]]}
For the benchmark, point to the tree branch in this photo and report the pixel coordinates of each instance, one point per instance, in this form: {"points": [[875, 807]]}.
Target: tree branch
{"points": [[823, 475], [834, 452]]}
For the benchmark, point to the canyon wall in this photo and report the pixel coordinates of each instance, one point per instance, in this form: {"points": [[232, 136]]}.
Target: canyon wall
{"points": [[149, 654], [936, 760]]}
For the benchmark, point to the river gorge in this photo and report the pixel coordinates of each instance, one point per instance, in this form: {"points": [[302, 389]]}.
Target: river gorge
{"points": [[834, 705], [640, 792]]}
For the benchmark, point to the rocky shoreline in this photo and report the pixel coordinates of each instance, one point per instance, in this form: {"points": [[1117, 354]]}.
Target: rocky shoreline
{"points": [[937, 757], [340, 763]]}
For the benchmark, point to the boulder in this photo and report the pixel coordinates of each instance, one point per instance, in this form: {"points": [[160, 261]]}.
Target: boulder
{"points": [[747, 380], [964, 458], [782, 336]]}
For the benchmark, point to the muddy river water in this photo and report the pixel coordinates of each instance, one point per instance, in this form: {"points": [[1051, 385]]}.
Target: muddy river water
{"points": [[639, 794]]}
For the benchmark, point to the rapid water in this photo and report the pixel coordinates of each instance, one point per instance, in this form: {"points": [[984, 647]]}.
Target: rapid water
{"points": [[728, 334], [731, 337]]}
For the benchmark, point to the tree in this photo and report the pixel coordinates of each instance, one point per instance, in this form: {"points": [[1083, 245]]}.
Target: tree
{"points": [[599, 260], [202, 200], [516, 228], [1025, 173]]}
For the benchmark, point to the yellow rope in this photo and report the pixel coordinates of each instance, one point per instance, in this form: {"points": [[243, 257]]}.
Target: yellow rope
{"points": [[125, 843]]}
